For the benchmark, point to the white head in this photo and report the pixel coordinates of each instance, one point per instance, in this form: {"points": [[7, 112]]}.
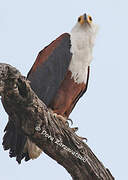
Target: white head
{"points": [[85, 26], [83, 36]]}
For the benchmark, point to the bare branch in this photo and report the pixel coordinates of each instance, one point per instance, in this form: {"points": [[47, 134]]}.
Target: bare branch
{"points": [[50, 134]]}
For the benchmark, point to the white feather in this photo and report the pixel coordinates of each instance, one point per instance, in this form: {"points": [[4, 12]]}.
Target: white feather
{"points": [[82, 41], [33, 150]]}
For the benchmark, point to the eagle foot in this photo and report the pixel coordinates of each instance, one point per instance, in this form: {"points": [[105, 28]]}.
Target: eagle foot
{"points": [[70, 121], [61, 118]]}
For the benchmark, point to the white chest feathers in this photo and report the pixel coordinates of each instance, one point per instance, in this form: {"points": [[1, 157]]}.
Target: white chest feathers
{"points": [[82, 41]]}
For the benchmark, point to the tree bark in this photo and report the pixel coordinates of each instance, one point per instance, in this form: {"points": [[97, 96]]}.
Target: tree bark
{"points": [[50, 134]]}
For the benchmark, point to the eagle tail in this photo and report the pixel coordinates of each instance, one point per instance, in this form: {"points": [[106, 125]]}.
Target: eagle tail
{"points": [[18, 144]]}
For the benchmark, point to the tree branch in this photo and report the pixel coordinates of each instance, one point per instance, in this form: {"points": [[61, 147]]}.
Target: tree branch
{"points": [[49, 133]]}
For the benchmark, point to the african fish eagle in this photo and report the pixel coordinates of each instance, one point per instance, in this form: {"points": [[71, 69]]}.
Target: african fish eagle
{"points": [[59, 77]]}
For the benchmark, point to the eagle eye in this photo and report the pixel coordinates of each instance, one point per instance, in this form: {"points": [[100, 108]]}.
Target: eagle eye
{"points": [[90, 18], [79, 19]]}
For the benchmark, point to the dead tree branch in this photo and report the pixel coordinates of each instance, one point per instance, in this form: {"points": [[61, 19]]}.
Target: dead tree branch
{"points": [[50, 134]]}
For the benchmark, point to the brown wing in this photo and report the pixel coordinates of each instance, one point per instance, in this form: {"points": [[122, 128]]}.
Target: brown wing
{"points": [[83, 90], [68, 95], [50, 68]]}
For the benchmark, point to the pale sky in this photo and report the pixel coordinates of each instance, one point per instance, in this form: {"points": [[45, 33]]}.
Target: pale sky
{"points": [[101, 114]]}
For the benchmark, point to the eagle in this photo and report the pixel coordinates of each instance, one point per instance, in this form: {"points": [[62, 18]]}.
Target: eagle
{"points": [[59, 77]]}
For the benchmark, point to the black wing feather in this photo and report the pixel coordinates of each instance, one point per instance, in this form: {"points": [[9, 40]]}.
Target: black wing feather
{"points": [[49, 74]]}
